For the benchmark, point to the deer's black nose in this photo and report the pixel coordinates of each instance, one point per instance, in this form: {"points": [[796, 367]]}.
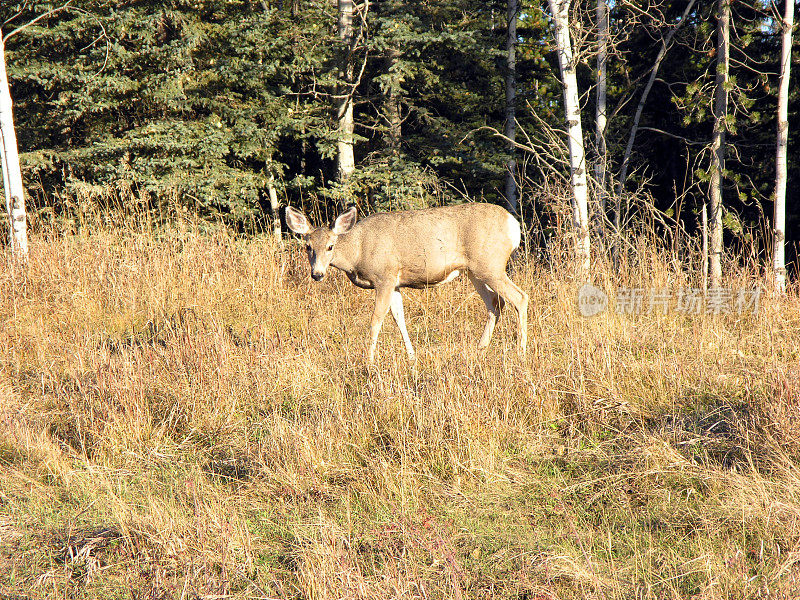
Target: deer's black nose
{"points": [[317, 276]]}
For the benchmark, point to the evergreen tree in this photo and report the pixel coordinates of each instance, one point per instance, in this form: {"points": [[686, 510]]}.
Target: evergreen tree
{"points": [[189, 102]]}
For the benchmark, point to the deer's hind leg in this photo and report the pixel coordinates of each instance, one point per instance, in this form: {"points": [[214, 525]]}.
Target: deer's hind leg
{"points": [[513, 294]]}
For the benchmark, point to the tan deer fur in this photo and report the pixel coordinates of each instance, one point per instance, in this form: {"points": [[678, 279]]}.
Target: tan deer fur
{"points": [[417, 249]]}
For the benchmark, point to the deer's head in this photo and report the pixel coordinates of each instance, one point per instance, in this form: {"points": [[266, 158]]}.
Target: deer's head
{"points": [[320, 241]]}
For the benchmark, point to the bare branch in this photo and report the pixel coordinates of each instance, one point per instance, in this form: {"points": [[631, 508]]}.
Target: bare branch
{"points": [[665, 46], [37, 19], [672, 135]]}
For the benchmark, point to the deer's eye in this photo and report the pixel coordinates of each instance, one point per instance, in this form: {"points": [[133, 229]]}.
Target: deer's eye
{"points": [[330, 247]]}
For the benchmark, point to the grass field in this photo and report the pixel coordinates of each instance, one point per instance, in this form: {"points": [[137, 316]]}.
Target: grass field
{"points": [[185, 414]]}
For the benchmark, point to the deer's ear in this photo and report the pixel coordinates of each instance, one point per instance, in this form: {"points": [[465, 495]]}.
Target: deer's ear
{"points": [[297, 221], [345, 221]]}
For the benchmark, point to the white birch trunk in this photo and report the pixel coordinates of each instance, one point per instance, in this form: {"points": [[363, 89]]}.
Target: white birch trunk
{"points": [[718, 142], [274, 205], [704, 233], [601, 166], [779, 259], [577, 155], [511, 104], [346, 156], [12, 174]]}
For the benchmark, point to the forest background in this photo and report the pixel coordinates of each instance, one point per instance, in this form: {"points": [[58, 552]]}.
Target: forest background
{"points": [[214, 106]]}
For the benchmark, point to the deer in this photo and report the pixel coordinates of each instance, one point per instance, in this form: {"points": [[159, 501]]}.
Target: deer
{"points": [[417, 249]]}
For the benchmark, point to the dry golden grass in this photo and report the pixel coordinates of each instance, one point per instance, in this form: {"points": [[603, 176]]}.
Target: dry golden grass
{"points": [[186, 415]]}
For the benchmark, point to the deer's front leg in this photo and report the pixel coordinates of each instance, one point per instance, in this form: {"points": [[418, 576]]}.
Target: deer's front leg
{"points": [[383, 297], [400, 319]]}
